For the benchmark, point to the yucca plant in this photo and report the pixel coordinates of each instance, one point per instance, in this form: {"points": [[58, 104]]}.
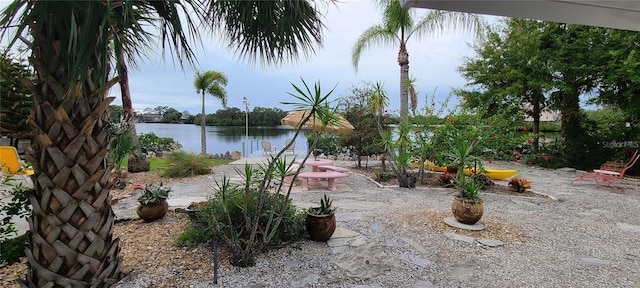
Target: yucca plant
{"points": [[326, 207]]}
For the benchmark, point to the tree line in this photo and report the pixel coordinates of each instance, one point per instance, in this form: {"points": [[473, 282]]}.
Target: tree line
{"points": [[230, 116]]}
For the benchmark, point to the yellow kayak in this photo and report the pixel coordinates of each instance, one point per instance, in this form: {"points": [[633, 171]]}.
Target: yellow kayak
{"points": [[428, 165], [494, 174]]}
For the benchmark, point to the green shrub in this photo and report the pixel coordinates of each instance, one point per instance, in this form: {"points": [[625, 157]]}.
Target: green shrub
{"points": [[291, 229], [382, 176], [185, 164], [192, 237], [328, 143], [12, 247], [151, 142]]}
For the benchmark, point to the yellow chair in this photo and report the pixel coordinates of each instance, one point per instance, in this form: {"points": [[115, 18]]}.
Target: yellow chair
{"points": [[11, 164]]}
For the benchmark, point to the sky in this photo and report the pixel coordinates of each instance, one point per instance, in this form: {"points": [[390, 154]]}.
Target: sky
{"points": [[433, 61]]}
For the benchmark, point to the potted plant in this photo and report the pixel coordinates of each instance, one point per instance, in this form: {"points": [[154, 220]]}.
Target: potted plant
{"points": [[153, 202], [467, 205], [321, 221]]}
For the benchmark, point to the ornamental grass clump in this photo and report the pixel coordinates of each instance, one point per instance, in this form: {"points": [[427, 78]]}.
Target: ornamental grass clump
{"points": [[519, 184], [187, 165]]}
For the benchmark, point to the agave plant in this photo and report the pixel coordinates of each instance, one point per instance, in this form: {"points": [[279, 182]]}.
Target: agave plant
{"points": [[468, 188], [325, 208]]}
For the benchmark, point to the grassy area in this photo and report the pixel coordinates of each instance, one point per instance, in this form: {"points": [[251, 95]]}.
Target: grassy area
{"points": [[158, 164]]}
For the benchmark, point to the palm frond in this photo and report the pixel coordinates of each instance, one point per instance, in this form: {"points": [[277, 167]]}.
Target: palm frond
{"points": [[218, 92], [437, 23], [372, 36], [395, 17], [268, 32]]}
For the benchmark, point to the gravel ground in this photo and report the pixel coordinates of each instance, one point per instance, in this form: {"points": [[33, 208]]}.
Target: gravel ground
{"points": [[586, 238], [581, 237]]}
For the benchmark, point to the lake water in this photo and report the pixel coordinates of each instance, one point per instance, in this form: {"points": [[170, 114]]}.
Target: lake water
{"points": [[225, 138]]}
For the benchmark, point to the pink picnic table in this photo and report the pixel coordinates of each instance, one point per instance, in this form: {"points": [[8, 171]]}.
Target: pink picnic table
{"points": [[331, 177], [315, 163]]}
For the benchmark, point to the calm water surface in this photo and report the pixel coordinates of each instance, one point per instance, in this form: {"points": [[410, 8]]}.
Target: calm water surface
{"points": [[223, 138]]}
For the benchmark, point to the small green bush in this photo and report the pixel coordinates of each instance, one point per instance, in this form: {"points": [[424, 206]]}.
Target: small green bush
{"points": [[185, 164], [11, 245], [291, 229], [192, 237], [152, 142], [382, 176], [12, 249]]}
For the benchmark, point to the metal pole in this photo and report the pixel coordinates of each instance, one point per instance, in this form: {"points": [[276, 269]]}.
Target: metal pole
{"points": [[246, 122]]}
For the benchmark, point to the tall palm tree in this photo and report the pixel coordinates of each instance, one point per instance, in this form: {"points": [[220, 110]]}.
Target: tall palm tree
{"points": [[71, 240], [210, 82], [398, 26]]}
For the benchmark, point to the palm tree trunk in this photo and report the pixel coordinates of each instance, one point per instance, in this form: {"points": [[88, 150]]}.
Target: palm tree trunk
{"points": [[203, 124], [139, 163], [537, 110], [403, 61], [70, 239]]}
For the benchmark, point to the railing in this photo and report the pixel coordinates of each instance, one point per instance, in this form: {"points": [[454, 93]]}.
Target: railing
{"points": [[250, 146]]}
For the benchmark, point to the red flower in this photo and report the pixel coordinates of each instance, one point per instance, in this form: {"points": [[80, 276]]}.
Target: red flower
{"points": [[495, 135], [433, 103], [417, 132], [529, 141], [451, 120], [464, 98], [545, 158], [524, 127], [385, 111], [490, 161]]}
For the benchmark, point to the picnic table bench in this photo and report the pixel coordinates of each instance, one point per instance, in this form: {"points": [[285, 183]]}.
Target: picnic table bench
{"points": [[331, 177], [333, 168]]}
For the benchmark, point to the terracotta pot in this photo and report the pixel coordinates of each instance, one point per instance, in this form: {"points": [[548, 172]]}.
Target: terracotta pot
{"points": [[152, 212], [320, 227], [467, 212]]}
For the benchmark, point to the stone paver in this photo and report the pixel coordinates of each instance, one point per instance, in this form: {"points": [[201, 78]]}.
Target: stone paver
{"points": [[629, 227], [490, 242], [416, 260], [415, 245], [451, 221], [343, 233], [462, 238], [593, 261], [337, 242], [366, 261], [358, 242]]}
